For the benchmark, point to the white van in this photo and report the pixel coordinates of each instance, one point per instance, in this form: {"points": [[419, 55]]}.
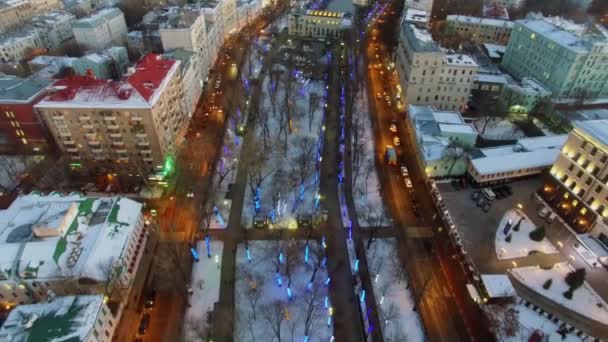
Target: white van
{"points": [[543, 212], [488, 193]]}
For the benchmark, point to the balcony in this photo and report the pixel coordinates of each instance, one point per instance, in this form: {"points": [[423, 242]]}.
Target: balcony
{"points": [[109, 118], [146, 151], [118, 143], [94, 143], [102, 157], [122, 150], [115, 135], [65, 134], [148, 159], [84, 118], [97, 150], [113, 126], [143, 144], [71, 149], [136, 118], [88, 126], [141, 135], [91, 136]]}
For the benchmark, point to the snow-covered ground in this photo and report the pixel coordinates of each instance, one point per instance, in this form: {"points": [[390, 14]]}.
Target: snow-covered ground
{"points": [[366, 188], [395, 303], [262, 306], [205, 283], [282, 195], [584, 300], [498, 128], [13, 167], [521, 245], [526, 323]]}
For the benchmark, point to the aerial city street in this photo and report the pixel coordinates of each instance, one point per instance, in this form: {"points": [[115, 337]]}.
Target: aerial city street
{"points": [[303, 170]]}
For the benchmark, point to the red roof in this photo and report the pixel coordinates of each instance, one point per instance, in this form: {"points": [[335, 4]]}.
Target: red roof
{"points": [[150, 71]]}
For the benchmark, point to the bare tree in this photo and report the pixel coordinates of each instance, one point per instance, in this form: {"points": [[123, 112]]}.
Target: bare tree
{"points": [[253, 290], [397, 271], [313, 103], [274, 315], [302, 165], [312, 307], [388, 314], [503, 320], [196, 330], [454, 152], [359, 142]]}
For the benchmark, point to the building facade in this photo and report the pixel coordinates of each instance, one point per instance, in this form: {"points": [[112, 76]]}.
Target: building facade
{"points": [[75, 246], [19, 45], [481, 30], [20, 126], [101, 29], [423, 5], [566, 60], [108, 64], [16, 13], [318, 24], [247, 11], [192, 75], [430, 76], [184, 28], [130, 126], [57, 25], [522, 97], [577, 186]]}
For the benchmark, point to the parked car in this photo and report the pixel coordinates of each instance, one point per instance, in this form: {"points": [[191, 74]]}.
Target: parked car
{"points": [[150, 299], [404, 171], [408, 183], [488, 193], [144, 323], [475, 195]]}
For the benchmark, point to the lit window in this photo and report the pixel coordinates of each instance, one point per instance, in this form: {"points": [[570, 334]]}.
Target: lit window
{"points": [[24, 141], [533, 36]]}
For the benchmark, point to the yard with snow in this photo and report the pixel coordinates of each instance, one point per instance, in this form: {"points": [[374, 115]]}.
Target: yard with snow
{"points": [[205, 283], [520, 244], [498, 128], [263, 307], [585, 300], [283, 173], [395, 303]]}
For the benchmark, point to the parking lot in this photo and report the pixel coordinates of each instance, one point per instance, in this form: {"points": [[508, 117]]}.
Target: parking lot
{"points": [[477, 227]]}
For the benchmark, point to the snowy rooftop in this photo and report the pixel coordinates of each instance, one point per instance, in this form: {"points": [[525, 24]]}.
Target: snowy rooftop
{"points": [[420, 40], [20, 90], [25, 32], [458, 128], [484, 77], [68, 318], [495, 50], [598, 129], [177, 17], [537, 143], [45, 60], [460, 60], [529, 86], [140, 90], [97, 18], [416, 16], [51, 18], [491, 164], [498, 285], [565, 35], [65, 236], [479, 21]]}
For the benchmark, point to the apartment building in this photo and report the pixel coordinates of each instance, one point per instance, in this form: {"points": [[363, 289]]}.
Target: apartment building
{"points": [[74, 318], [57, 25], [129, 126], [247, 11], [522, 97], [193, 74], [16, 13], [577, 186], [18, 45], [423, 5], [20, 126], [481, 30], [527, 157], [101, 29], [431, 76], [183, 28], [441, 138], [222, 14], [108, 64], [569, 60], [318, 24], [416, 17], [505, 3], [69, 245]]}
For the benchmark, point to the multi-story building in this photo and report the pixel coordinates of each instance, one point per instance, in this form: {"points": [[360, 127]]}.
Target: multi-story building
{"points": [[183, 28], [57, 25], [108, 64], [135, 42], [577, 188], [431, 76], [50, 67], [416, 17], [192, 75], [75, 318], [423, 5], [130, 126], [521, 97], [442, 139], [527, 157], [247, 11], [569, 62], [18, 45], [222, 13], [20, 126], [101, 29], [318, 24], [16, 13], [481, 30], [515, 4], [54, 245]]}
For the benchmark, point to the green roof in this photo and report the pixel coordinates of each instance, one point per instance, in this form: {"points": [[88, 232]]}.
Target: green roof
{"points": [[16, 89]]}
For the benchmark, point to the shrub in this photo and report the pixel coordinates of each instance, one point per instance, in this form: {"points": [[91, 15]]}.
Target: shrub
{"points": [[576, 278], [568, 294], [508, 238], [547, 284], [538, 234]]}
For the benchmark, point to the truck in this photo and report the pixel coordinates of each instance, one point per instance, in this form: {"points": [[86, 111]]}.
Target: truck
{"points": [[390, 155]]}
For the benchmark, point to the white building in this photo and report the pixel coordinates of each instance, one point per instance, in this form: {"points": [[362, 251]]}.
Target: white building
{"points": [[16, 13], [101, 29], [183, 28], [221, 14], [192, 74], [424, 5], [481, 30], [15, 46], [129, 126], [527, 157], [505, 3], [318, 24], [442, 139], [57, 25], [69, 245], [431, 76], [73, 318]]}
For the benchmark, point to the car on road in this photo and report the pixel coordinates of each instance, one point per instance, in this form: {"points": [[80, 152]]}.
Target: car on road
{"points": [[150, 299], [393, 126], [143, 324], [404, 171], [396, 141], [378, 96], [408, 183], [190, 194], [488, 193]]}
